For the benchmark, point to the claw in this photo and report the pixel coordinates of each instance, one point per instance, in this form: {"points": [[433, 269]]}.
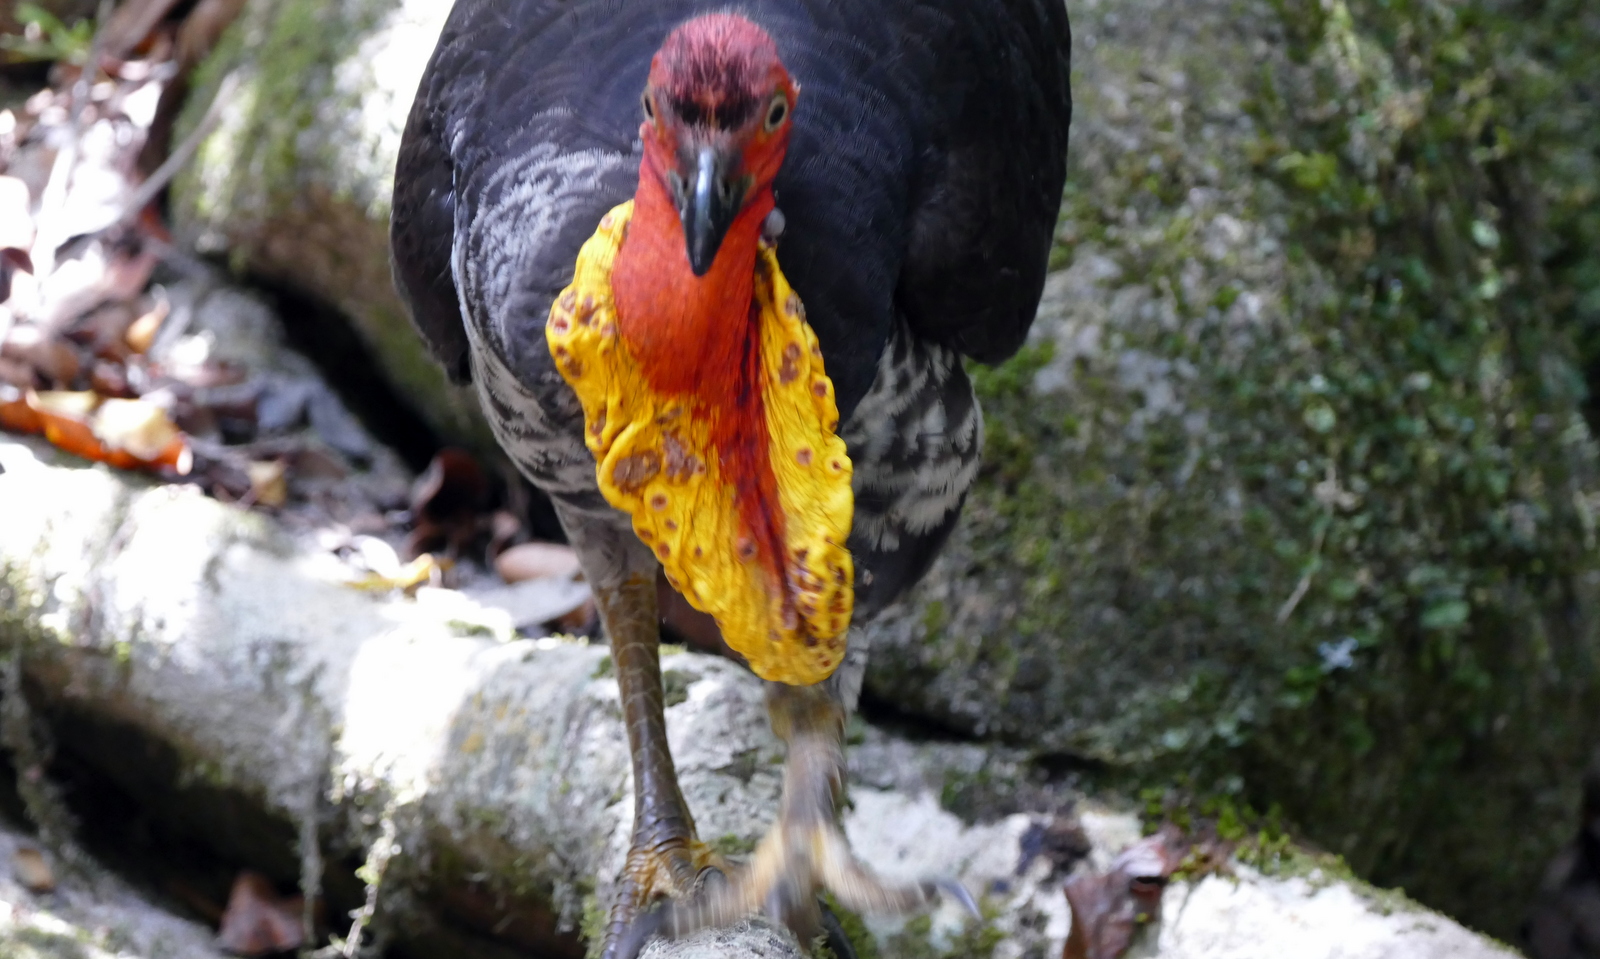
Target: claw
{"points": [[957, 892], [711, 875], [833, 935], [653, 874], [789, 868], [645, 925], [802, 854]]}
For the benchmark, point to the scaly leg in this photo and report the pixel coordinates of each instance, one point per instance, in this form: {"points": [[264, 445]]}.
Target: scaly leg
{"points": [[665, 858], [805, 851]]}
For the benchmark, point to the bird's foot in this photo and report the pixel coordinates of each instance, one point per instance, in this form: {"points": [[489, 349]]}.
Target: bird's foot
{"points": [[791, 866], [803, 854], [675, 869]]}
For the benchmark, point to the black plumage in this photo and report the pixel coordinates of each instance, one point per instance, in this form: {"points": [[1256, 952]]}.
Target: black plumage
{"points": [[920, 192], [921, 187]]}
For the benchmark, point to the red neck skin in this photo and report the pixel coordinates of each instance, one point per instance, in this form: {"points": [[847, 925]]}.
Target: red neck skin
{"points": [[687, 332], [696, 337]]}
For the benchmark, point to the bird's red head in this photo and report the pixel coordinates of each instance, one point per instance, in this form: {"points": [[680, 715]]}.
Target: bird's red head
{"points": [[716, 125], [717, 117]]}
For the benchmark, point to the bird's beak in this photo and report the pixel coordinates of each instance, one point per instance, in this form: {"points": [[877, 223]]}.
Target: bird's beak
{"points": [[708, 206]]}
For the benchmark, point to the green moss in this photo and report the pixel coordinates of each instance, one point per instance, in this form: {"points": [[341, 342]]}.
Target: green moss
{"points": [[1259, 841], [854, 929], [1014, 375], [593, 925], [32, 943], [407, 363], [52, 39], [204, 772], [675, 685], [1316, 515], [294, 47], [980, 795], [604, 669], [1455, 553], [976, 939]]}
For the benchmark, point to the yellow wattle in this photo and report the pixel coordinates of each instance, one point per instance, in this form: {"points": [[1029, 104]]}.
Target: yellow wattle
{"points": [[654, 460]]}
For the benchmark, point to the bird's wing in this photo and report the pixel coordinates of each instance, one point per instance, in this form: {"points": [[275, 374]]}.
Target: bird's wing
{"points": [[987, 190], [421, 233], [522, 133]]}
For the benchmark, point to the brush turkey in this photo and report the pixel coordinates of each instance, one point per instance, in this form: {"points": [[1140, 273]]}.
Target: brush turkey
{"points": [[713, 272]]}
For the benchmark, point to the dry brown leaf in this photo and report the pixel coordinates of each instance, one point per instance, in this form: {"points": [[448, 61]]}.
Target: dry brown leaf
{"points": [[258, 921], [453, 483], [314, 462], [83, 282], [82, 424], [142, 333], [17, 416], [32, 870], [11, 261], [447, 503], [16, 373], [580, 621], [1109, 909], [109, 378], [74, 403], [67, 427], [130, 24], [103, 330], [536, 560], [137, 426], [51, 355], [269, 482]]}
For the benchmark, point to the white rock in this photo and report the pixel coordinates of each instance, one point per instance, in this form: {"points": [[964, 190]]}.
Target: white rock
{"points": [[208, 628], [1260, 918]]}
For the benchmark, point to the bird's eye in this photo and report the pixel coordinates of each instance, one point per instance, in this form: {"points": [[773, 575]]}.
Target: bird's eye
{"points": [[649, 106], [777, 112]]}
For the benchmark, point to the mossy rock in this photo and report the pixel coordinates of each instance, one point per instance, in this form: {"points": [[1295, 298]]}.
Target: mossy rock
{"points": [[1292, 493], [294, 184]]}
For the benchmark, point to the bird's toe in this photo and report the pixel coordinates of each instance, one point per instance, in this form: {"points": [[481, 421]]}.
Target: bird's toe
{"points": [[678, 871]]}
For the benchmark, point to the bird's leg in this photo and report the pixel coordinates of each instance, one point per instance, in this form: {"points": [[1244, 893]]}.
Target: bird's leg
{"points": [[805, 851], [665, 858]]}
